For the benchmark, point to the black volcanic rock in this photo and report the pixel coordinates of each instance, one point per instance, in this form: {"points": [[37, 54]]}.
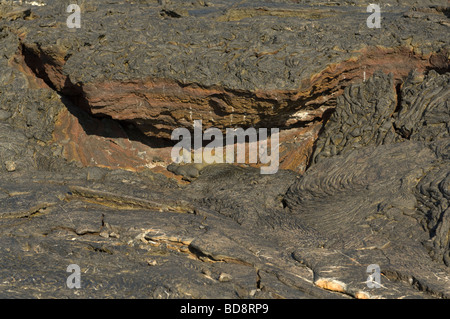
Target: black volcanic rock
{"points": [[375, 189]]}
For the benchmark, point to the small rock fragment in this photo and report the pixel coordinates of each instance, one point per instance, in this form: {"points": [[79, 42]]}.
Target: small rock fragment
{"points": [[10, 166], [331, 284], [206, 272], [224, 277], [151, 262], [362, 295], [104, 234], [114, 235]]}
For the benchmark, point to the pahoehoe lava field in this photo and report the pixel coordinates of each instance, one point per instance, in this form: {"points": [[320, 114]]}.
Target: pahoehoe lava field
{"points": [[87, 175]]}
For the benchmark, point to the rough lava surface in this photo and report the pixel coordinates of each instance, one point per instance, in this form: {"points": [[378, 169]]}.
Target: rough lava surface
{"points": [[86, 177]]}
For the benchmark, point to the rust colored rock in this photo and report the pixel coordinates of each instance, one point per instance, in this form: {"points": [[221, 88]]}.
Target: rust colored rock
{"points": [[440, 60], [47, 63], [296, 147], [157, 106], [234, 75], [93, 149], [86, 145]]}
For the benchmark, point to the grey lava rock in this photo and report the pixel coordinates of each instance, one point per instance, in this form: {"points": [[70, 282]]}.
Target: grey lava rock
{"points": [[375, 190]]}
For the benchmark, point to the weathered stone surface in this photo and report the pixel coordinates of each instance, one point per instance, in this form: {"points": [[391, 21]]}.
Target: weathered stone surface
{"points": [[387, 186], [377, 208], [380, 113], [433, 199], [85, 116], [424, 109], [105, 143], [234, 84], [253, 72]]}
